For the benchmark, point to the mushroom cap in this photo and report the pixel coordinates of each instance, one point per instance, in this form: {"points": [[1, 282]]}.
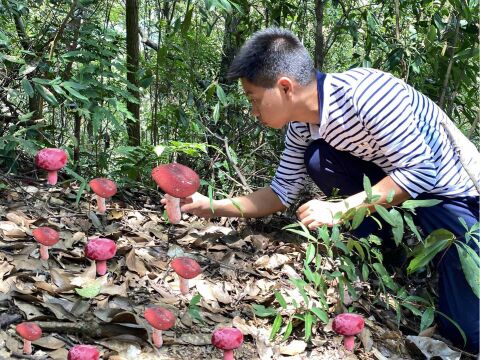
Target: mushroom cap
{"points": [[83, 352], [186, 267], [227, 338], [51, 159], [46, 236], [176, 180], [160, 318], [100, 249], [103, 187], [348, 324], [29, 331]]}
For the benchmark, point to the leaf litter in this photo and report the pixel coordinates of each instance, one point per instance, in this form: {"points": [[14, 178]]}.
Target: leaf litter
{"points": [[242, 267]]}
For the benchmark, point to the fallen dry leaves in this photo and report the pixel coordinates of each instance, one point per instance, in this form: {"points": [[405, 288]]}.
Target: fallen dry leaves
{"points": [[241, 267]]}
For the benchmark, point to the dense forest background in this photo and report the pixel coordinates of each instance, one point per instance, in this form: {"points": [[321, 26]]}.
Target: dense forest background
{"points": [[124, 85]]}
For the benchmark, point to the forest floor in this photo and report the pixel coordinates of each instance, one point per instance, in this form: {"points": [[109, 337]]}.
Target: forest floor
{"points": [[243, 263]]}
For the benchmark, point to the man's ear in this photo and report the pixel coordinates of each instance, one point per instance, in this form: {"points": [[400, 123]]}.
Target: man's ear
{"points": [[286, 85]]}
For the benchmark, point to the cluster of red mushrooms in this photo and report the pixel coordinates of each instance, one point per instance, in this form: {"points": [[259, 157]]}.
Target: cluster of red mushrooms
{"points": [[177, 181]]}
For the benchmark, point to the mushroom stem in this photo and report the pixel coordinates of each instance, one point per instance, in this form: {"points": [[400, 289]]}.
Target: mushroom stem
{"points": [[173, 209], [52, 177], [101, 267], [157, 338], [184, 289], [43, 252], [101, 204], [228, 355], [27, 347], [349, 342]]}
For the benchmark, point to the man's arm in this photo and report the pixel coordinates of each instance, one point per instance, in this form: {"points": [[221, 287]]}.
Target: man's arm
{"points": [[260, 203], [315, 213]]}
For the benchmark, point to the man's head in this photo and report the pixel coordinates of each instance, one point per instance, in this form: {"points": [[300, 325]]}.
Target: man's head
{"points": [[273, 66]]}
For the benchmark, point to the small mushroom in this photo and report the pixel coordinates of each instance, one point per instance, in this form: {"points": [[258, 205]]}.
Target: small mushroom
{"points": [[227, 339], [29, 331], [83, 352], [103, 188], [177, 181], [348, 325], [52, 160], [100, 250], [161, 319], [186, 268], [46, 237]]}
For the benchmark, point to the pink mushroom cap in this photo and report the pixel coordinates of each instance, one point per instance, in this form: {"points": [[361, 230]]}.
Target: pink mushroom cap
{"points": [[348, 324], [46, 236], [176, 180], [51, 159], [100, 249], [104, 188], [186, 267], [227, 338], [29, 331], [83, 352], [160, 318]]}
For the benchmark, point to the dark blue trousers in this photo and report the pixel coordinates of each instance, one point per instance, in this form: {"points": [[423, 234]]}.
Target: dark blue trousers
{"points": [[330, 168]]}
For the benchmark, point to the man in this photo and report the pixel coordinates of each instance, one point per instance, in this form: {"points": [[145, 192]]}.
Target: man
{"points": [[342, 126]]}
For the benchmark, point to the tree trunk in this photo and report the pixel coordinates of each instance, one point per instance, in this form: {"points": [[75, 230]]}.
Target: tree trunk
{"points": [[319, 38], [77, 134], [133, 55]]}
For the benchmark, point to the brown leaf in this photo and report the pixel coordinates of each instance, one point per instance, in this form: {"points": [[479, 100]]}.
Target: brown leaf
{"points": [[49, 342], [135, 264]]}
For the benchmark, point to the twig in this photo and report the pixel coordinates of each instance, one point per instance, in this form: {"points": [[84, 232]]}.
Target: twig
{"points": [[61, 28]]}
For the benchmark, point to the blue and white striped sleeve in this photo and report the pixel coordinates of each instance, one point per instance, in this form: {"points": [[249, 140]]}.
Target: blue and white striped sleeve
{"points": [[291, 172], [383, 104]]}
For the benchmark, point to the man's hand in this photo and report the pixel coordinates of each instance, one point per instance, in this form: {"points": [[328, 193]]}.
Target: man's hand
{"points": [[196, 204], [315, 213]]}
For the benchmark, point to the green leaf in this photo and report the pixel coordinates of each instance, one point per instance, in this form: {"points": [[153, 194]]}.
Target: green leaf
{"points": [[75, 93], [437, 241], [221, 95], [90, 290], [321, 314], [412, 204], [462, 333], [412, 308], [310, 254], [46, 94], [390, 196], [367, 186], [427, 318], [195, 300], [385, 214], [288, 331], [398, 229], [216, 113], [308, 325], [359, 217], [365, 272], [277, 324], [470, 262], [27, 87], [262, 311], [280, 299], [409, 220]]}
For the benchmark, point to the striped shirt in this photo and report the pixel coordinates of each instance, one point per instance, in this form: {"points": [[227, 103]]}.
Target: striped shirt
{"points": [[379, 118]]}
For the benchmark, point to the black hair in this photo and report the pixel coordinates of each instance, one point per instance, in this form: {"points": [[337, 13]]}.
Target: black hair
{"points": [[270, 54]]}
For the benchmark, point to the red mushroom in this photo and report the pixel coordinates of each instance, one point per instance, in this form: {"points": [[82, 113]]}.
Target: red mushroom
{"points": [[83, 352], [46, 237], [161, 319], [178, 181], [103, 188], [348, 325], [100, 250], [227, 339], [51, 160], [29, 331], [186, 268]]}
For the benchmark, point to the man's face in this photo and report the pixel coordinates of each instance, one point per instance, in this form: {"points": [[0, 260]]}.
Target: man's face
{"points": [[269, 106]]}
